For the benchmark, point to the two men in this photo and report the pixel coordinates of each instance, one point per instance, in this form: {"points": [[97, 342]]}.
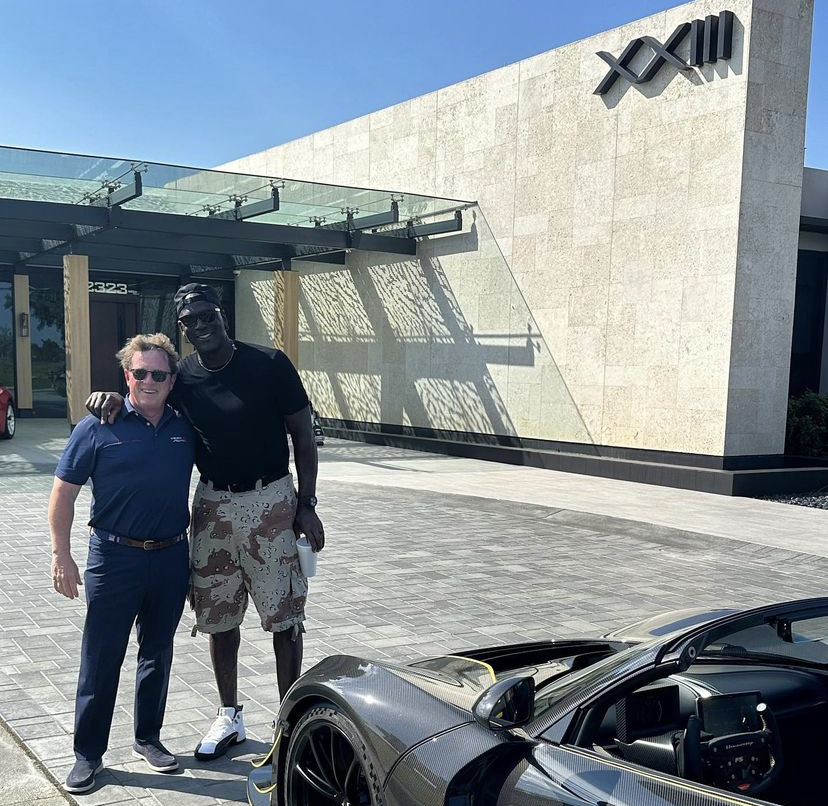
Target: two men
{"points": [[240, 399], [138, 565]]}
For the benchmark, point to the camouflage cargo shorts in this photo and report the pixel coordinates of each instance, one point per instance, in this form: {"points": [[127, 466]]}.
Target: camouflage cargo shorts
{"points": [[243, 545]]}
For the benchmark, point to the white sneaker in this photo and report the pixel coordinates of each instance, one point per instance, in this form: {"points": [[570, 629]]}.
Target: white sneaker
{"points": [[227, 730]]}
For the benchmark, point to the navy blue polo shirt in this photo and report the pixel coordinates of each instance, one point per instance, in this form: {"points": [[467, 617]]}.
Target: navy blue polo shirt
{"points": [[140, 473]]}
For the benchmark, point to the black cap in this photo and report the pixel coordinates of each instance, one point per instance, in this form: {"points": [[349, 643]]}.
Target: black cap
{"points": [[188, 295]]}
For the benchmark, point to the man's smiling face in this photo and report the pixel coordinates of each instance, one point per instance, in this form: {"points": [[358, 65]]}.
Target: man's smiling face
{"points": [[149, 395], [203, 325]]}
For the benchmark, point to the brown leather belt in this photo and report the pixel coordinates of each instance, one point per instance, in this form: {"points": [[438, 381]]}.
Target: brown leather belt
{"points": [[241, 486], [147, 545]]}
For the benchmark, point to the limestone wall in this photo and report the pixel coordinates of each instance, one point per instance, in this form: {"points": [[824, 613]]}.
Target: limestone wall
{"points": [[768, 236]]}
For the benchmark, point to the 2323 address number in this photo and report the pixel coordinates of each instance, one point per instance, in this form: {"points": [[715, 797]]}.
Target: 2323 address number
{"points": [[107, 288]]}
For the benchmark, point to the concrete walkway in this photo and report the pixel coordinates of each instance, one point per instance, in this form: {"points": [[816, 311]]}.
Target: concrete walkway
{"points": [[24, 781], [426, 554], [765, 523]]}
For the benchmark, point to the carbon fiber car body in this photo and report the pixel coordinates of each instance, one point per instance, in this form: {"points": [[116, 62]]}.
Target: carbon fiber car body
{"points": [[589, 739]]}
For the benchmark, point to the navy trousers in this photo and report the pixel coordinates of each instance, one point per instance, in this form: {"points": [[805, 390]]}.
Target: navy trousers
{"points": [[126, 586]]}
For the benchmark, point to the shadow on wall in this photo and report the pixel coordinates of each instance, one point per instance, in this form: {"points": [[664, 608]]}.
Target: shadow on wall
{"points": [[443, 341]]}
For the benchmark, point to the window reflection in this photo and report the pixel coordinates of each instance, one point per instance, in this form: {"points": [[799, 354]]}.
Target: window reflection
{"points": [[46, 329], [6, 335]]}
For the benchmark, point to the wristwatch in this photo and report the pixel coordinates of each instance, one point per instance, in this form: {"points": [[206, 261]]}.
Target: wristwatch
{"points": [[308, 501]]}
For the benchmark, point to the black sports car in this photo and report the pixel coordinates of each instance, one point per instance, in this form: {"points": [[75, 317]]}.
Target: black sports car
{"points": [[691, 707]]}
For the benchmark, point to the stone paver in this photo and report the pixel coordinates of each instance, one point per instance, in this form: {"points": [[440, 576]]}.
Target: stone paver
{"points": [[426, 554], [22, 780]]}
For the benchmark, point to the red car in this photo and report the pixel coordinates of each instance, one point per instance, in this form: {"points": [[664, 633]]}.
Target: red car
{"points": [[7, 418]]}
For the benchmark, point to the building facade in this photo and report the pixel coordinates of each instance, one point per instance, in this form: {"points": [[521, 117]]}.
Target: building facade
{"points": [[622, 296], [626, 283]]}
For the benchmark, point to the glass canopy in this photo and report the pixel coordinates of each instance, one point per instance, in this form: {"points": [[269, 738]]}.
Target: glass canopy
{"points": [[33, 175]]}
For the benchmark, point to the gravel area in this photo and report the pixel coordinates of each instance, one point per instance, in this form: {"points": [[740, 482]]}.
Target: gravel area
{"points": [[818, 500]]}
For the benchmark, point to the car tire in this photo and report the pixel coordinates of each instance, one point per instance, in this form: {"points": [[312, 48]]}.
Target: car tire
{"points": [[327, 762], [11, 423]]}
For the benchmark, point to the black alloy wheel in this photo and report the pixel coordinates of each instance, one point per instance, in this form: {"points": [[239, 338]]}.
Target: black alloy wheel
{"points": [[328, 764]]}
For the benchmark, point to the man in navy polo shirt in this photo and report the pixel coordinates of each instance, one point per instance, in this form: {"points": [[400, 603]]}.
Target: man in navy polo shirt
{"points": [[138, 565]]}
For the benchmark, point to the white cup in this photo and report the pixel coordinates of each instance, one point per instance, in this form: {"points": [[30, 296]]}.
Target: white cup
{"points": [[307, 557]]}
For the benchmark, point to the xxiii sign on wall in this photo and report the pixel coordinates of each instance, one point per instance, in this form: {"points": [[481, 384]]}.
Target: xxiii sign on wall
{"points": [[711, 39]]}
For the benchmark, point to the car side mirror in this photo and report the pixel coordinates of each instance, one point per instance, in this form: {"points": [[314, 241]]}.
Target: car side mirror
{"points": [[506, 704]]}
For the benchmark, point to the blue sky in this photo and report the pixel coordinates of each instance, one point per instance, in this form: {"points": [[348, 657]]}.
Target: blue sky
{"points": [[200, 82]]}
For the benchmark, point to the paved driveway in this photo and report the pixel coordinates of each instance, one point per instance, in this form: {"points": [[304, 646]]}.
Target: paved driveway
{"points": [[426, 554]]}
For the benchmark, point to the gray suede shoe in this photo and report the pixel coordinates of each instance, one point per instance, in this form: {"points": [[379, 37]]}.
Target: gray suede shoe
{"points": [[157, 756], [82, 776]]}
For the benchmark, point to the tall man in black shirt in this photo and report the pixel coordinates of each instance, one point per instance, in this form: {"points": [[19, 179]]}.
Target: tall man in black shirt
{"points": [[239, 398]]}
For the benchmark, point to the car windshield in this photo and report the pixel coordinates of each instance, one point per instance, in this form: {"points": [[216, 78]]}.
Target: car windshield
{"points": [[777, 639], [762, 637], [583, 680]]}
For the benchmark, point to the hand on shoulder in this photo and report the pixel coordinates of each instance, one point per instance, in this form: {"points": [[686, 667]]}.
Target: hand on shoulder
{"points": [[106, 406]]}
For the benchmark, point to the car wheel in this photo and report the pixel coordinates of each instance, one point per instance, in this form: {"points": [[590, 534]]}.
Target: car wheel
{"points": [[11, 423], [329, 763]]}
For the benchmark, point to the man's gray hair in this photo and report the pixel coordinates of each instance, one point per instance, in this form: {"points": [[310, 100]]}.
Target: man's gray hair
{"points": [[144, 342]]}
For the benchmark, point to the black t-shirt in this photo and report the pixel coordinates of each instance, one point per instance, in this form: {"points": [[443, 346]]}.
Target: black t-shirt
{"points": [[239, 412]]}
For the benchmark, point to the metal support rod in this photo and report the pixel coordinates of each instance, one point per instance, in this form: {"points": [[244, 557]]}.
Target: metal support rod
{"points": [[242, 211], [126, 193]]}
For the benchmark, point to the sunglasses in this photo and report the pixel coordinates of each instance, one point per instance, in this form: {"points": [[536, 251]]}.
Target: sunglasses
{"points": [[205, 317], [158, 375]]}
